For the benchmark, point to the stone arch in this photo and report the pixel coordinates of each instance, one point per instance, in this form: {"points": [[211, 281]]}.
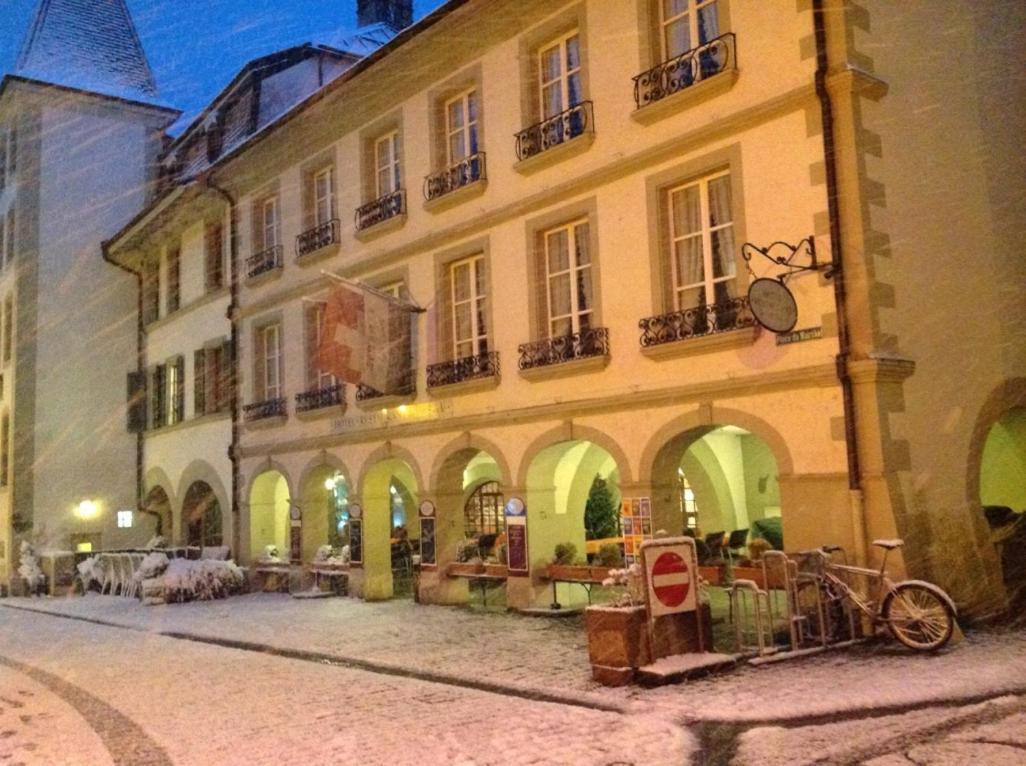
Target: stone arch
{"points": [[387, 451], [265, 466], [202, 515], [156, 503], [319, 504], [382, 470], [573, 432], [268, 494], [201, 470], [324, 459], [689, 428], [1010, 395], [156, 477], [469, 442]]}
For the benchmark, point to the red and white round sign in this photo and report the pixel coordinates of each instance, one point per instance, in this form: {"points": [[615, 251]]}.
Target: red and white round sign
{"points": [[671, 579]]}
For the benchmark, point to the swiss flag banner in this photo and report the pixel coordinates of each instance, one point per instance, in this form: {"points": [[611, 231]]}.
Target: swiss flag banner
{"points": [[365, 338]]}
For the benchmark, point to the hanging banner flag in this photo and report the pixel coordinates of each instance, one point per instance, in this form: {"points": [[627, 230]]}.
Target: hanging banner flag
{"points": [[365, 337]]}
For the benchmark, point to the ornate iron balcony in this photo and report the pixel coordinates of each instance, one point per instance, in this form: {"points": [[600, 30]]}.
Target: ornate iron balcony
{"points": [[733, 314], [556, 130], [381, 209], [407, 388], [464, 172], [270, 408], [685, 70], [319, 398], [467, 368], [264, 261], [314, 239], [581, 345]]}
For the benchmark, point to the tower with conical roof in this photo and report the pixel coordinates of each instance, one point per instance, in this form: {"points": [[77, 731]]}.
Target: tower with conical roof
{"points": [[80, 129]]}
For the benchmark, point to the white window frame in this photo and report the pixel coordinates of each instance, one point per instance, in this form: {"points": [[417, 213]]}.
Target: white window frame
{"points": [[562, 79], [324, 198], [478, 303], [171, 384], [270, 223], [468, 131], [705, 233], [387, 159], [321, 379], [691, 11], [270, 348], [573, 270]]}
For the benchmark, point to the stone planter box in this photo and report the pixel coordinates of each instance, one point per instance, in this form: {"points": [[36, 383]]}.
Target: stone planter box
{"points": [[618, 642], [496, 570]]}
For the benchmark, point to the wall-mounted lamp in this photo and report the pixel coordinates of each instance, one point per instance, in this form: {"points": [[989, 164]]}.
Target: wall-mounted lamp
{"points": [[87, 509]]}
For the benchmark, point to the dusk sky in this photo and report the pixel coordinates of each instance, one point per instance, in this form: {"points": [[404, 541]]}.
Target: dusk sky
{"points": [[196, 46]]}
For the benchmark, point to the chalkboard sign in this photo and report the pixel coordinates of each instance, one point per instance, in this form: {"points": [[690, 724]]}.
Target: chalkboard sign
{"points": [[355, 541], [427, 541], [516, 547], [295, 544]]}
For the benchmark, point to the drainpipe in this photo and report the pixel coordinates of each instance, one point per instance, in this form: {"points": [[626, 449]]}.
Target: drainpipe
{"points": [[233, 305], [140, 366], [840, 296]]}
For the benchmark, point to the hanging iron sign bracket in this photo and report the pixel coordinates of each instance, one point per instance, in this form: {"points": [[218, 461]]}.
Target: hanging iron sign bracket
{"points": [[792, 258]]}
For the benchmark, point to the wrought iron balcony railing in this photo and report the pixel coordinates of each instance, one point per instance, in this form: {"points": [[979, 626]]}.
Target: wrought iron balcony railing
{"points": [[312, 240], [381, 209], [733, 314], [468, 368], [407, 388], [581, 345], [270, 408], [556, 130], [685, 70], [463, 173], [319, 398], [263, 262]]}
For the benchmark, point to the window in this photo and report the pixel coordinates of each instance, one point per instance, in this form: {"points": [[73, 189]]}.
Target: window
{"points": [[316, 378], [9, 241], [174, 279], [467, 290], [687, 24], [483, 512], [461, 125], [8, 331], [125, 519], [212, 379], [387, 156], [324, 196], [559, 68], [269, 226], [568, 279], [151, 292], [175, 395], [158, 396], [701, 237], [269, 362], [5, 449], [213, 257]]}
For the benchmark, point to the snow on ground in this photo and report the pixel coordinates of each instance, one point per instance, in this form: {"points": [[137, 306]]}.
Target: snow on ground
{"points": [[854, 741], [204, 704], [550, 655]]}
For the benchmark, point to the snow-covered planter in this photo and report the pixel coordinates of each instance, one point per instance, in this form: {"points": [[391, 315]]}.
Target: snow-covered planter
{"points": [[89, 572], [618, 642], [326, 557], [153, 565], [271, 556], [202, 580], [29, 570]]}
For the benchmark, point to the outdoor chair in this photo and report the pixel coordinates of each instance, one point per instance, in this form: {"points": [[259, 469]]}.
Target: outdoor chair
{"points": [[715, 542], [736, 543]]}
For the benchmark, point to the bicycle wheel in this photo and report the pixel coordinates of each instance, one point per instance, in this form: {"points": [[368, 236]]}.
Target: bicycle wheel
{"points": [[919, 616]]}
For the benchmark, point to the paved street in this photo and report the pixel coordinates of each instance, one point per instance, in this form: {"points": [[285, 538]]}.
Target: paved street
{"points": [[396, 683]]}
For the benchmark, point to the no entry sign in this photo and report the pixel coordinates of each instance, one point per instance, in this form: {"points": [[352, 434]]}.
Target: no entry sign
{"points": [[671, 574]]}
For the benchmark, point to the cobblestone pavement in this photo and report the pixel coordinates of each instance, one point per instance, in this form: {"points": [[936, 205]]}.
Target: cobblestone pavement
{"points": [[203, 704], [877, 704]]}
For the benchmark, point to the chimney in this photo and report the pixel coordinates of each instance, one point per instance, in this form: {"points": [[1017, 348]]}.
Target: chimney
{"points": [[398, 14]]}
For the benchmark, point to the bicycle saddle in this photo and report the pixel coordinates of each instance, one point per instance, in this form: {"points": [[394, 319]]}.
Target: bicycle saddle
{"points": [[888, 545]]}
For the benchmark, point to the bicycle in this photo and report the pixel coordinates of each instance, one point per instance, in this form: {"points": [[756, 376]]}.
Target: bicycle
{"points": [[916, 613]]}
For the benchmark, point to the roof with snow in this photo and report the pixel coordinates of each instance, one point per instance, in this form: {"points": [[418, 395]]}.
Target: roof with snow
{"points": [[87, 45]]}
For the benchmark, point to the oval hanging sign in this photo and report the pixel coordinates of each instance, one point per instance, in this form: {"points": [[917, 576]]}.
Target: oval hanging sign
{"points": [[773, 305]]}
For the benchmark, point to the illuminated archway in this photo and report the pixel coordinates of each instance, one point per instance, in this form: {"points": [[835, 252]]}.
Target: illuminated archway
{"points": [[269, 502], [201, 516]]}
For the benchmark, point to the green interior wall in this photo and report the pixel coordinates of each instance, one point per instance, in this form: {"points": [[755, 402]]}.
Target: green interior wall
{"points": [[1003, 467], [268, 514]]}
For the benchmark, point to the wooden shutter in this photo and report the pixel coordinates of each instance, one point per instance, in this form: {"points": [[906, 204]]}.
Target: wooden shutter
{"points": [[179, 392], [225, 376], [159, 396], [214, 256], [199, 382], [136, 402]]}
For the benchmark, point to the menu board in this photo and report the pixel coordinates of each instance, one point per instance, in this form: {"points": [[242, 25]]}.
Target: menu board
{"points": [[636, 523], [427, 541], [355, 541]]}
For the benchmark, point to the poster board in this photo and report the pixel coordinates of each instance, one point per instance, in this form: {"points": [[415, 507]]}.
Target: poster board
{"points": [[516, 537], [635, 525], [355, 535], [427, 534]]}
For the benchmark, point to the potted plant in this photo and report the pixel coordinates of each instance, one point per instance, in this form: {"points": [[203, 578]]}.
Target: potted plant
{"points": [[618, 639], [565, 566], [609, 557]]}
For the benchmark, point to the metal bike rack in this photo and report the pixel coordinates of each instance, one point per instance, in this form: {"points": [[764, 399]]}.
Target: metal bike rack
{"points": [[749, 613]]}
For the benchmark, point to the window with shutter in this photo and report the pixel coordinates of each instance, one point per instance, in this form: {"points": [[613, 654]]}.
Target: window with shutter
{"points": [[214, 257], [158, 400], [174, 279], [224, 375], [136, 402], [199, 382]]}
